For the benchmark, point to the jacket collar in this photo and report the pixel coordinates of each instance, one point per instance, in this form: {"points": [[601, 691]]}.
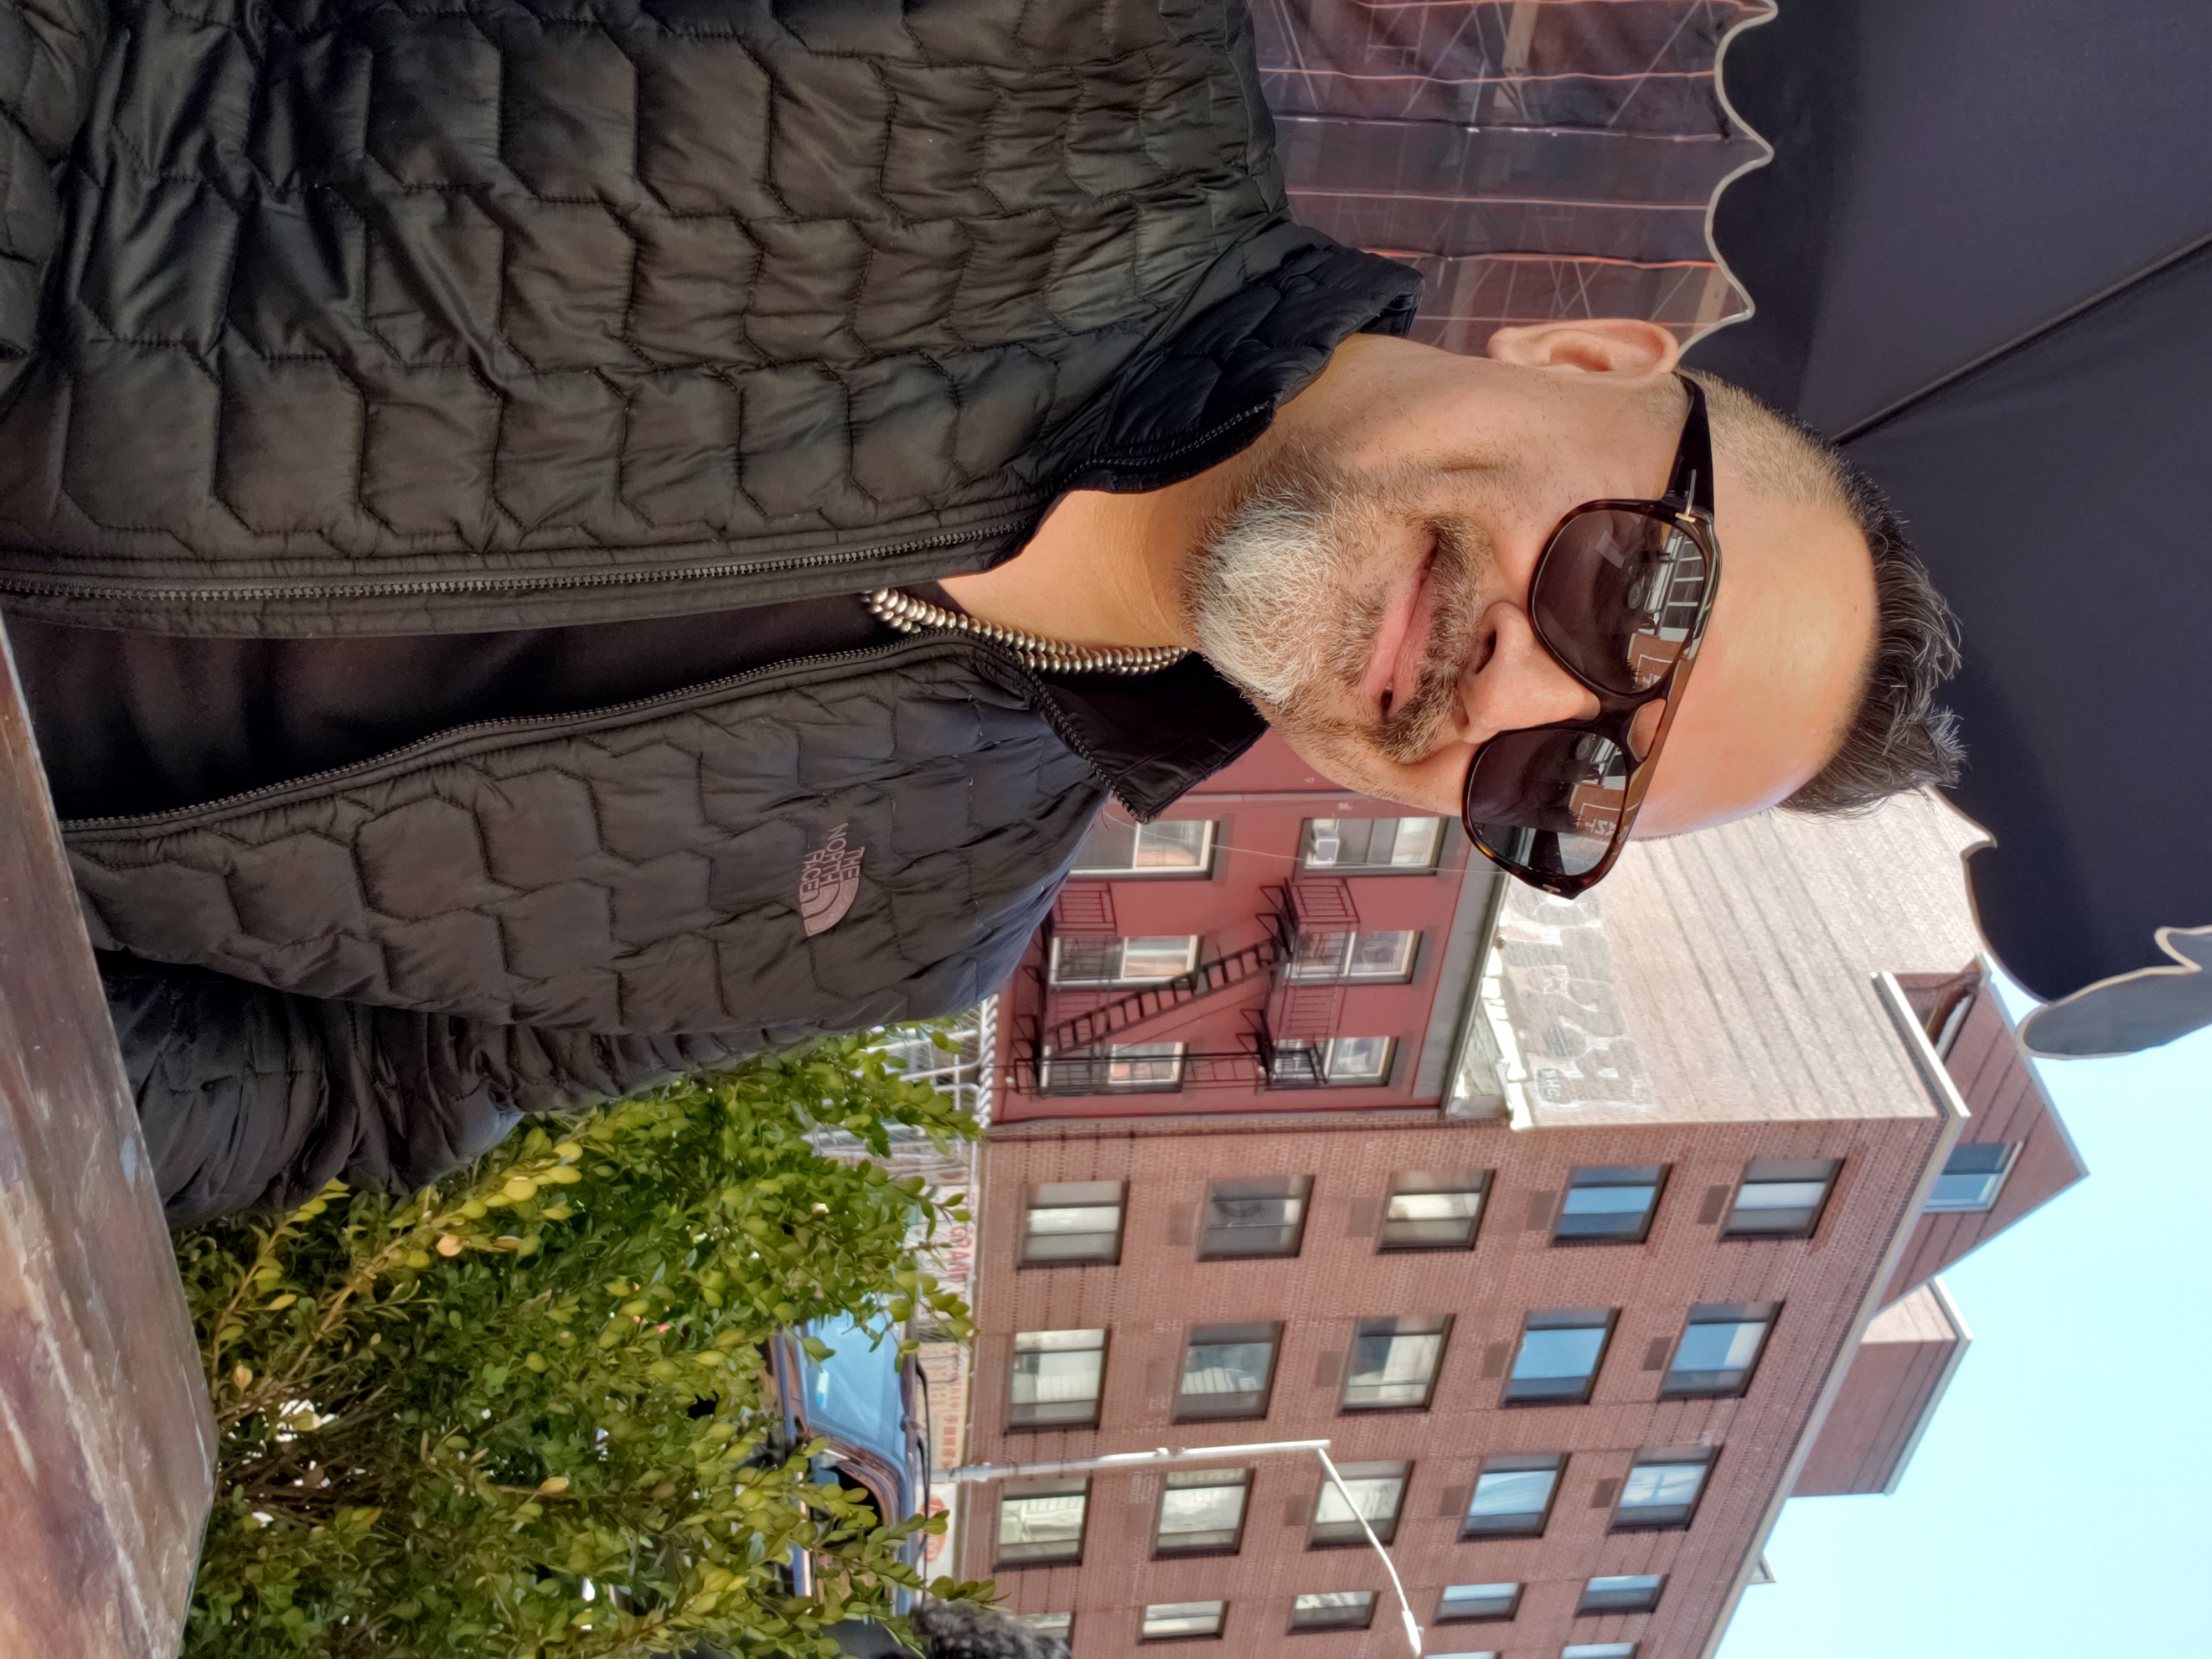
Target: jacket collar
{"points": [[1151, 737], [1242, 348]]}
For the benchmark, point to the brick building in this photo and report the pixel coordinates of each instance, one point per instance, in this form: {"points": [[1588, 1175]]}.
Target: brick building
{"points": [[1585, 1233]]}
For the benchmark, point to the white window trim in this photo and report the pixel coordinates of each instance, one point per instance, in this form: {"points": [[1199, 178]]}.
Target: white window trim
{"points": [[1191, 943], [1204, 867]]}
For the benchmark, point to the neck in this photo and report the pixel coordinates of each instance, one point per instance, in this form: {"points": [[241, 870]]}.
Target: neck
{"points": [[1102, 569]]}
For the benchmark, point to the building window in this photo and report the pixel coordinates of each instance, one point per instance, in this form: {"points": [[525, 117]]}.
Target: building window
{"points": [[1512, 1496], [1182, 1621], [1598, 1650], [1083, 959], [1299, 1062], [1116, 847], [1487, 1653], [1780, 1198], [1123, 1068], [1254, 1217], [1056, 1379], [1466, 1604], [1377, 1492], [1609, 1203], [1560, 1351], [1358, 958], [1662, 1490], [1072, 1221], [1394, 1363], [1719, 1348], [1201, 1512], [1433, 1212], [1042, 1521], [1060, 1626], [1630, 1593], [1226, 1372], [1333, 1610], [1973, 1177], [1144, 1066], [1374, 845]]}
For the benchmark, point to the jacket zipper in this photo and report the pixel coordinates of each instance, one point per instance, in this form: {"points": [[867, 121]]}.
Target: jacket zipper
{"points": [[457, 585], [431, 586], [1213, 435]]}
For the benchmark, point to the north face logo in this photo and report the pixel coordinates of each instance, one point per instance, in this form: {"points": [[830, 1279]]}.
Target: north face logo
{"points": [[829, 882]]}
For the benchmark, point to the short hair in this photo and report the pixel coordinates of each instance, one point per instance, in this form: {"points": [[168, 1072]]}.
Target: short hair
{"points": [[1898, 737]]}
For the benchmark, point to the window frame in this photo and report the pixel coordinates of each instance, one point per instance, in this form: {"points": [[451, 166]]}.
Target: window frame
{"points": [[1306, 838], [1199, 872], [1493, 1614], [1538, 1391], [1145, 1618], [1281, 1076], [1645, 1599], [1195, 944], [1471, 1184], [1675, 1517], [1240, 1335], [1305, 970], [1163, 1551], [1139, 1053], [1319, 1626], [1018, 1425], [1676, 1383], [1651, 1176], [1347, 1534], [1780, 1172], [1406, 1326], [1516, 1523], [1031, 1207], [1598, 1650], [1294, 1188], [1086, 1071], [1022, 1490], [1997, 1179]]}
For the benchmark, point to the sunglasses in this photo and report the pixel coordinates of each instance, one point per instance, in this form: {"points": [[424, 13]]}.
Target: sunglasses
{"points": [[1621, 600]]}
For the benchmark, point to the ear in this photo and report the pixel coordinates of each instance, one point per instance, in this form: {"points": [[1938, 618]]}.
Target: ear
{"points": [[1594, 345]]}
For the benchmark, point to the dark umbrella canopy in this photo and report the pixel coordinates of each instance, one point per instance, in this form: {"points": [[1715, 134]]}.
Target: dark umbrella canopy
{"points": [[1983, 257]]}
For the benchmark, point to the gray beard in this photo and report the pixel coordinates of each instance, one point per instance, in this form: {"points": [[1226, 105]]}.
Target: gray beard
{"points": [[1280, 598]]}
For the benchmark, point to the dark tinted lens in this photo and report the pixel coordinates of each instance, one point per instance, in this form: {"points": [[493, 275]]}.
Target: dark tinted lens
{"points": [[1618, 596], [1548, 801]]}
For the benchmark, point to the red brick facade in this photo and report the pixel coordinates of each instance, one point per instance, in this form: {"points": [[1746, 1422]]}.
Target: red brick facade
{"points": [[1159, 1290], [1792, 1053]]}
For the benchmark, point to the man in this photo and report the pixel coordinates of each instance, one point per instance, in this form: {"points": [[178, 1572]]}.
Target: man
{"points": [[548, 550]]}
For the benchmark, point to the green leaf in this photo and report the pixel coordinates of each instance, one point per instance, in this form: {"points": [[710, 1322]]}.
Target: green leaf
{"points": [[452, 1396]]}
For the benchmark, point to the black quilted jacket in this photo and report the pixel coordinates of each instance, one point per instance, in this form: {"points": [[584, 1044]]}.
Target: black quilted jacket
{"points": [[362, 316]]}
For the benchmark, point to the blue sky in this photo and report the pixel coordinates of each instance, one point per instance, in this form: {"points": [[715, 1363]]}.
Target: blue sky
{"points": [[2057, 1508]]}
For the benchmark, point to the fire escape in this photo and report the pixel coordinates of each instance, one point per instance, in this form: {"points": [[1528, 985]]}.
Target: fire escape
{"points": [[1066, 1036]]}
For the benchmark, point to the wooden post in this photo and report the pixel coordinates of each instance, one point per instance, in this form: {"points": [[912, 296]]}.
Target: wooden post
{"points": [[106, 1443]]}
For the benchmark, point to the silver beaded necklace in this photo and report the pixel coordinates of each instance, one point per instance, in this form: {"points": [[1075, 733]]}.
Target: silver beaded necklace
{"points": [[911, 616]]}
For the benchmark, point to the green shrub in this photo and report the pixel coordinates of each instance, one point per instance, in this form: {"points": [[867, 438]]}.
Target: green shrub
{"points": [[526, 1413]]}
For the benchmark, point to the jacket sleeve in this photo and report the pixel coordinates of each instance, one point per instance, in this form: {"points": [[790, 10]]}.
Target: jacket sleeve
{"points": [[254, 1098]]}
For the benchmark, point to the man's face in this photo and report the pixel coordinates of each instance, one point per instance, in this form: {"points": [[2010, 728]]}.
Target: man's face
{"points": [[1368, 583]]}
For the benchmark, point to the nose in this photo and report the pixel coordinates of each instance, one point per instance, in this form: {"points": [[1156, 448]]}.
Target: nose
{"points": [[1511, 682]]}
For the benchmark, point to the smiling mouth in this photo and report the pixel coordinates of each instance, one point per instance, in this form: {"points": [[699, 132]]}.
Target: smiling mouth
{"points": [[1402, 643]]}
